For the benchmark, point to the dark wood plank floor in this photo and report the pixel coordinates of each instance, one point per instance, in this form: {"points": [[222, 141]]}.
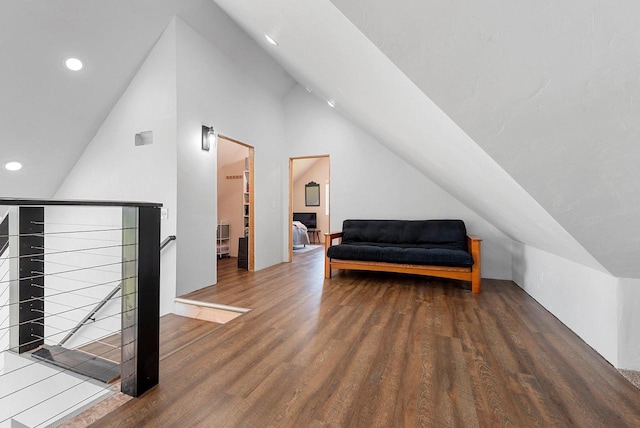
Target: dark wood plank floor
{"points": [[176, 333], [380, 350]]}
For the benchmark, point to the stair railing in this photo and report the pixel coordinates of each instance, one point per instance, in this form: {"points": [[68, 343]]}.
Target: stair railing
{"points": [[166, 241], [46, 259], [91, 315]]}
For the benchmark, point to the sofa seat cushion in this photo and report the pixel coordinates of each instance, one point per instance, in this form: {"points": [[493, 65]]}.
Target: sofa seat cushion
{"points": [[401, 254]]}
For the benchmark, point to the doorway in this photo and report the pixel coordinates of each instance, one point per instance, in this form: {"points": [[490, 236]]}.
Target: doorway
{"points": [[235, 231], [309, 199]]}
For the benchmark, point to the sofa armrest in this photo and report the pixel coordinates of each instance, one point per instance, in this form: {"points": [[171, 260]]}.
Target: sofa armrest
{"points": [[331, 236], [328, 240], [476, 253]]}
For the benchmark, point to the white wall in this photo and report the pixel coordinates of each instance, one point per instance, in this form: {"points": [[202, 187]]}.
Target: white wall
{"points": [[369, 181], [628, 322], [215, 89], [584, 299], [112, 167]]}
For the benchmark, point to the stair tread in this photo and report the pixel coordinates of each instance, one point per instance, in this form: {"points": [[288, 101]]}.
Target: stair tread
{"points": [[79, 362]]}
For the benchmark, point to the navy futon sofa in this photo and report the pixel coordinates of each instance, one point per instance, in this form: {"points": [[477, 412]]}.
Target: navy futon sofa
{"points": [[438, 248]]}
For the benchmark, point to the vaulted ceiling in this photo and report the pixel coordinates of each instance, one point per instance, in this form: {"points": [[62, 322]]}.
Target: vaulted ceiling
{"points": [[526, 112], [48, 114]]}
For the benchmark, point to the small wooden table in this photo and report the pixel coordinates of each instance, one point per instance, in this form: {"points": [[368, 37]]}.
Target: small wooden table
{"points": [[314, 235]]}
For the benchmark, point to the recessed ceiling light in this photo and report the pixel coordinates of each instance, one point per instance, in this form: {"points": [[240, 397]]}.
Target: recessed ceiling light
{"points": [[270, 40], [13, 166], [331, 103], [73, 64]]}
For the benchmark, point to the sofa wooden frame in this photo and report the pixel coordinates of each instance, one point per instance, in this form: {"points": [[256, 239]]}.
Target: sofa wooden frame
{"points": [[472, 274]]}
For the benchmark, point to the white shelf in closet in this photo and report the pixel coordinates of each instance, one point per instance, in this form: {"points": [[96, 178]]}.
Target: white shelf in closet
{"points": [[223, 240]]}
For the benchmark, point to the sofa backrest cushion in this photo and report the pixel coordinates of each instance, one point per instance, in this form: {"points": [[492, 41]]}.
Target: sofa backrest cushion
{"points": [[451, 234]]}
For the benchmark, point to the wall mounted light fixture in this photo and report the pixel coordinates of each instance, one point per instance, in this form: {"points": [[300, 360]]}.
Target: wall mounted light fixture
{"points": [[208, 137]]}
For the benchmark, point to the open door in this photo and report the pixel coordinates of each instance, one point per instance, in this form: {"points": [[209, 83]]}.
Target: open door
{"points": [[309, 201], [235, 237]]}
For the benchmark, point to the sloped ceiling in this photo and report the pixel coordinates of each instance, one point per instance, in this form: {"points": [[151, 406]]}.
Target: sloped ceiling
{"points": [[326, 52], [548, 89], [47, 113]]}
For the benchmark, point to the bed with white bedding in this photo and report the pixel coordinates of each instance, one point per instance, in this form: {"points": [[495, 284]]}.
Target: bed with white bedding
{"points": [[300, 235]]}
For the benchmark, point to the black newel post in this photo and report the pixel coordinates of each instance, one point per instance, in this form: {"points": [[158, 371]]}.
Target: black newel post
{"points": [[140, 299], [31, 278]]}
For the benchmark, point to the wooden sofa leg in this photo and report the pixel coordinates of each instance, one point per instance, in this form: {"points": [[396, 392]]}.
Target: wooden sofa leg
{"points": [[475, 284], [327, 261], [476, 250]]}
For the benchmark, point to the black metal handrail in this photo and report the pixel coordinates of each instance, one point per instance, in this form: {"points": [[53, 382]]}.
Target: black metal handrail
{"points": [[74, 202], [100, 305], [91, 315], [166, 241]]}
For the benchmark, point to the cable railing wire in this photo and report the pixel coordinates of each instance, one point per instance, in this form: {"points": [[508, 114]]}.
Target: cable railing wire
{"points": [[44, 401], [68, 278], [49, 288], [62, 412], [80, 268], [93, 324], [42, 274], [69, 291], [42, 298], [42, 379], [64, 232], [41, 318], [93, 311], [52, 223], [61, 331], [75, 280], [81, 251], [63, 370], [52, 375], [6, 332], [56, 251], [59, 314]]}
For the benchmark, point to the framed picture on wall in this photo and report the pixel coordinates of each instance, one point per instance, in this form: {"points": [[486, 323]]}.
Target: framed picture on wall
{"points": [[312, 194]]}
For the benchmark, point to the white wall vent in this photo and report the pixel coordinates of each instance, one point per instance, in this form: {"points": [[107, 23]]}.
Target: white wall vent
{"points": [[144, 138]]}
